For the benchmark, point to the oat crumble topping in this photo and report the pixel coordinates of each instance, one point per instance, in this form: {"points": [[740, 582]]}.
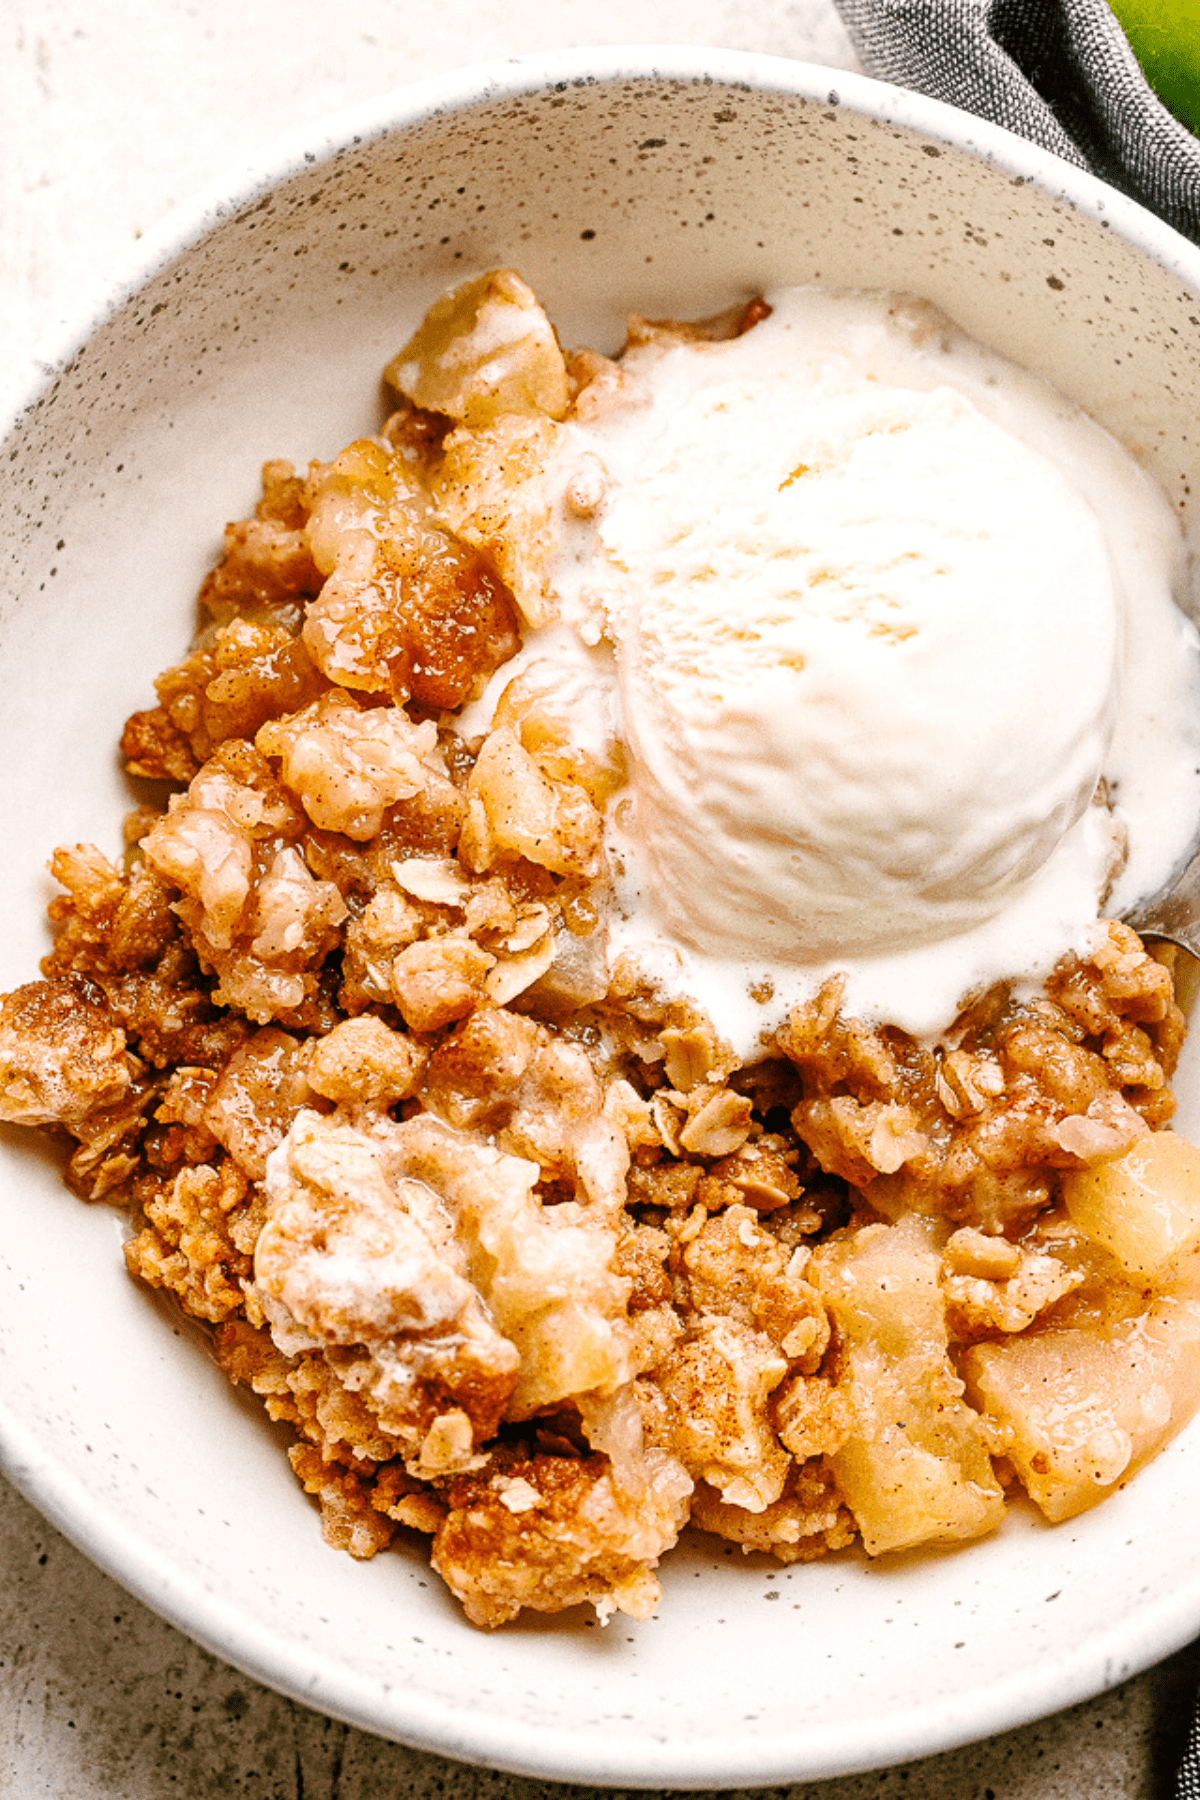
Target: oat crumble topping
{"points": [[528, 1260]]}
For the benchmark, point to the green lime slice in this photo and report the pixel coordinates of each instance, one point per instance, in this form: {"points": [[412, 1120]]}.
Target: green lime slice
{"points": [[1165, 38]]}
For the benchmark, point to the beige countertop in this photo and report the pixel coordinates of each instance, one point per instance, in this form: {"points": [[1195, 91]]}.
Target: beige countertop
{"points": [[109, 115]]}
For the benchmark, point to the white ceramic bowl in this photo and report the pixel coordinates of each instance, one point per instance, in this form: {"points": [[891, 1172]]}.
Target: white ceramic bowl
{"points": [[668, 182]]}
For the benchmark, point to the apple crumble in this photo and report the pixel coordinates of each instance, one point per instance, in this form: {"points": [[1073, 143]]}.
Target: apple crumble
{"points": [[533, 1261]]}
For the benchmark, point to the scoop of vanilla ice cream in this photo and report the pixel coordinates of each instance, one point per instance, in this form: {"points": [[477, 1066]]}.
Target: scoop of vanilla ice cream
{"points": [[868, 646]]}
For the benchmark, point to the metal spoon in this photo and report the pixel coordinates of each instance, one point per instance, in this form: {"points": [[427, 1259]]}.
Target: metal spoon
{"points": [[1174, 912]]}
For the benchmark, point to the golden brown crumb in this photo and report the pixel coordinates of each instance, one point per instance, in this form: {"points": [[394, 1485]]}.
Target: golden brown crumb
{"points": [[548, 1532], [808, 1520], [190, 1242], [62, 1058]]}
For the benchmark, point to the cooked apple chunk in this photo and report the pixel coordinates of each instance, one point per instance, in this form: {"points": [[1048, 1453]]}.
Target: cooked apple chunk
{"points": [[1080, 1408], [914, 1469], [484, 351], [1144, 1206]]}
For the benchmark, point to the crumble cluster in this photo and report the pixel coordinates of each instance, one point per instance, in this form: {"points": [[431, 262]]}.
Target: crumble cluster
{"points": [[528, 1261]]}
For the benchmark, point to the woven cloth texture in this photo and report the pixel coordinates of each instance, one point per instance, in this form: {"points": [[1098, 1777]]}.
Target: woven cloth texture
{"points": [[1060, 72], [1187, 1786]]}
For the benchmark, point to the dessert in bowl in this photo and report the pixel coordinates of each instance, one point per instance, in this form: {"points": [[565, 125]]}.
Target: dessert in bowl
{"points": [[298, 366]]}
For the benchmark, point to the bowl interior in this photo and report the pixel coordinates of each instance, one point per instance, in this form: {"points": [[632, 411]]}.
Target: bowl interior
{"points": [[667, 185]]}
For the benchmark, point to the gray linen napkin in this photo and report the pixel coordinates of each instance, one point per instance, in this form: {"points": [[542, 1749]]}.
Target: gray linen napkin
{"points": [[1188, 1784], [1060, 72]]}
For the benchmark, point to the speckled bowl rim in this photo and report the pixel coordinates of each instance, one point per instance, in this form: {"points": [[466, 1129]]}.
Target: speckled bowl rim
{"points": [[424, 1721]]}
